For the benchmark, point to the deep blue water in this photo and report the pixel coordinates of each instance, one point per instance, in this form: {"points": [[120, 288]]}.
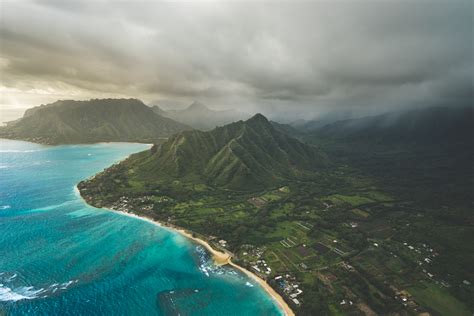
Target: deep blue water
{"points": [[59, 256]]}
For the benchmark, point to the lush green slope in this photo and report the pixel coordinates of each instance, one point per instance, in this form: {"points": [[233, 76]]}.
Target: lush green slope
{"points": [[424, 154], [69, 121], [201, 117], [243, 156]]}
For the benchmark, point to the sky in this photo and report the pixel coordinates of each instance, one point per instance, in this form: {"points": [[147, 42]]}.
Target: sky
{"points": [[288, 59]]}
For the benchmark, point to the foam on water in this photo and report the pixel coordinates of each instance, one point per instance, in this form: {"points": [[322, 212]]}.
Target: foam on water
{"points": [[30, 292], [17, 151], [25, 293]]}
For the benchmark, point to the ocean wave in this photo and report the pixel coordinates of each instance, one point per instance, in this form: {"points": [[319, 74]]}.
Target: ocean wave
{"points": [[11, 278], [21, 293], [53, 207], [18, 151], [11, 293], [207, 265]]}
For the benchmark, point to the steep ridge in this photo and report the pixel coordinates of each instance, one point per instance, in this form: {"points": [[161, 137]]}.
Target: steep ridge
{"points": [[246, 155]]}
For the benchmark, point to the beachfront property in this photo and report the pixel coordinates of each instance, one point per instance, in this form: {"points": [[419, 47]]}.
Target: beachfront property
{"points": [[289, 287]]}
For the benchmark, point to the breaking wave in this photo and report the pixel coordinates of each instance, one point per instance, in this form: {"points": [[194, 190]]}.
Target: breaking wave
{"points": [[207, 266], [18, 151], [8, 292]]}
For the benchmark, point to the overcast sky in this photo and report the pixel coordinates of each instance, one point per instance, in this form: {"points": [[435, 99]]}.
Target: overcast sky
{"points": [[299, 59]]}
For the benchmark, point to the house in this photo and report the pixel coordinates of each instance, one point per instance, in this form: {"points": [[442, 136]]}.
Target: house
{"points": [[295, 300]]}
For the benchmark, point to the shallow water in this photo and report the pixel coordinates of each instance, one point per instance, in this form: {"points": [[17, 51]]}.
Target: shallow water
{"points": [[59, 256]]}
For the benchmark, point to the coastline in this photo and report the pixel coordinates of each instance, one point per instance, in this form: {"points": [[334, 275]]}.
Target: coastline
{"points": [[220, 258]]}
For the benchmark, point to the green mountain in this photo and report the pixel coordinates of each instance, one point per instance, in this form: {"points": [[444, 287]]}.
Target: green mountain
{"points": [[424, 154], [97, 120], [244, 156], [201, 117]]}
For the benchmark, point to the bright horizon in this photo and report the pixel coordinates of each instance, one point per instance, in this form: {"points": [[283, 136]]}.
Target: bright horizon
{"points": [[294, 60]]}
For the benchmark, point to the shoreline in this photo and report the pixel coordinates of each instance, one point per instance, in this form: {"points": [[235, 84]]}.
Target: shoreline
{"points": [[53, 144], [220, 258]]}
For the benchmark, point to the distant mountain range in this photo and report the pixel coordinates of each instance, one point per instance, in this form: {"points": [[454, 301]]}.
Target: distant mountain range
{"points": [[425, 154], [97, 120], [420, 126], [199, 116], [246, 155]]}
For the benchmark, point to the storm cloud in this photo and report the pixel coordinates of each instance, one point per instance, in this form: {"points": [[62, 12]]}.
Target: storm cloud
{"points": [[295, 57]]}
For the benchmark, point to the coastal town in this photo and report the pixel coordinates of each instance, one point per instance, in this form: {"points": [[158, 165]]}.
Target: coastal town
{"points": [[301, 257]]}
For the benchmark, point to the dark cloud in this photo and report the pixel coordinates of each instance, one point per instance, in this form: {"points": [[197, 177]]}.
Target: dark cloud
{"points": [[306, 57]]}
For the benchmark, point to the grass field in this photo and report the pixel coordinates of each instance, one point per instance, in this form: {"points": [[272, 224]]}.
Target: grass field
{"points": [[438, 299], [354, 200], [361, 213]]}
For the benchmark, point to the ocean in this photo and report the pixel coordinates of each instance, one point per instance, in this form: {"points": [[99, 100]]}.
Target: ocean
{"points": [[59, 256]]}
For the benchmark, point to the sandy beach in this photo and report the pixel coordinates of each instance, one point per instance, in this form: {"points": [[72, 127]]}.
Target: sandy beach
{"points": [[277, 297], [221, 258]]}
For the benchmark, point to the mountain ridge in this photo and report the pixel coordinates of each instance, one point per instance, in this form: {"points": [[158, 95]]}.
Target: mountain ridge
{"points": [[417, 126], [245, 155], [199, 116], [96, 120]]}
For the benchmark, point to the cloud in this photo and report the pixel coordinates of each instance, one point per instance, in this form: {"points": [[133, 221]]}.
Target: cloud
{"points": [[304, 57]]}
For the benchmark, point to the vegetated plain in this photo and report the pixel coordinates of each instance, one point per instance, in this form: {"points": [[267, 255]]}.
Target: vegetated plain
{"points": [[375, 226]]}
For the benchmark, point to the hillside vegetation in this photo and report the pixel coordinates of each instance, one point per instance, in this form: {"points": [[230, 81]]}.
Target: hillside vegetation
{"points": [[243, 156], [98, 120]]}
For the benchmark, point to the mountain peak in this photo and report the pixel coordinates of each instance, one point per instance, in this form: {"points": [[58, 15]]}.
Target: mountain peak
{"points": [[258, 118], [196, 105], [243, 156]]}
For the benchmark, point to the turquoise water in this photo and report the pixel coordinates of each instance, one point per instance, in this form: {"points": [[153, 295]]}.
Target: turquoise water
{"points": [[59, 256]]}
